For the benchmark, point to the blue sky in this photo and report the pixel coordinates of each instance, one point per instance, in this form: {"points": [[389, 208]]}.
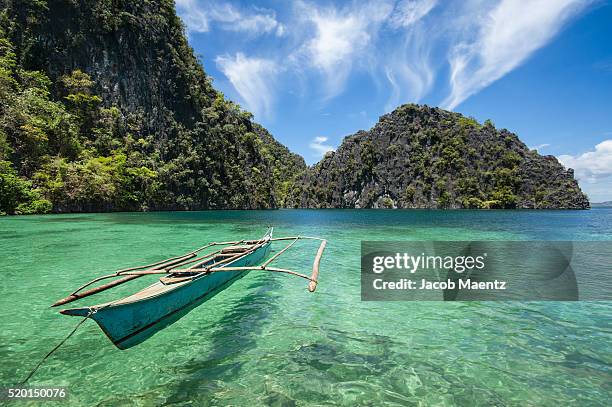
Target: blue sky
{"points": [[313, 72]]}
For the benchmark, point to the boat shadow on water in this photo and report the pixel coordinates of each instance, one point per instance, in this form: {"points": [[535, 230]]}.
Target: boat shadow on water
{"points": [[235, 334]]}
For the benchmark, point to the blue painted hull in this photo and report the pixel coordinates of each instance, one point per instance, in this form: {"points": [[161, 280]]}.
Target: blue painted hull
{"points": [[128, 324]]}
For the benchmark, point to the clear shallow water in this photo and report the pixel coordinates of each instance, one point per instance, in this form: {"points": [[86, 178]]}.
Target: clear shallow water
{"points": [[267, 341]]}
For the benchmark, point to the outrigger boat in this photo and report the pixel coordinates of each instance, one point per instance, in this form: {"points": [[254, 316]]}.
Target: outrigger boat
{"points": [[187, 282]]}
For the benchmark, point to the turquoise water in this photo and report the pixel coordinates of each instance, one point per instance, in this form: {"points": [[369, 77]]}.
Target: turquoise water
{"points": [[267, 341]]}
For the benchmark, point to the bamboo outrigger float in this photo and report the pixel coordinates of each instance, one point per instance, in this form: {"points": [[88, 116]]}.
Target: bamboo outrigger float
{"points": [[187, 281]]}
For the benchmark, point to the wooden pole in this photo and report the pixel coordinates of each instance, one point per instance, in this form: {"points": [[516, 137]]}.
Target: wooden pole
{"points": [[276, 239], [227, 269], [270, 260], [297, 237], [315, 268], [234, 257], [278, 270], [198, 259], [74, 296], [119, 272]]}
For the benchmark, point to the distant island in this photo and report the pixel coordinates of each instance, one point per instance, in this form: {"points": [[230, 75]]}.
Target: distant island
{"points": [[106, 108], [423, 157], [605, 204]]}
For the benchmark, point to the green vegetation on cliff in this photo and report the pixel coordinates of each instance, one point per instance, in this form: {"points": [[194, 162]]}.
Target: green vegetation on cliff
{"points": [[422, 157], [104, 107]]}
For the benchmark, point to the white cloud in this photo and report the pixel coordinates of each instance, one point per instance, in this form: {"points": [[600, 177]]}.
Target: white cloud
{"points": [[198, 15], [257, 24], [193, 15], [539, 146], [393, 100], [406, 64], [319, 146], [593, 170], [340, 37], [253, 79], [598, 192], [505, 37], [408, 12], [591, 166], [344, 39]]}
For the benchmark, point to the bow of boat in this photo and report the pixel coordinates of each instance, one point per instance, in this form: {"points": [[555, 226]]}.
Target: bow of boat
{"points": [[77, 312]]}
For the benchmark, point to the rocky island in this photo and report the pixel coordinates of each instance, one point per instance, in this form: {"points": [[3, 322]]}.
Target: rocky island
{"points": [[424, 157]]}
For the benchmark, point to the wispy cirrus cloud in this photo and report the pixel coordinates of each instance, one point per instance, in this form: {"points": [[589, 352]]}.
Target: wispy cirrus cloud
{"points": [[338, 38], [409, 69], [406, 46], [502, 39], [319, 146], [539, 146], [194, 16], [408, 12], [483, 41], [253, 79], [199, 14], [345, 39]]}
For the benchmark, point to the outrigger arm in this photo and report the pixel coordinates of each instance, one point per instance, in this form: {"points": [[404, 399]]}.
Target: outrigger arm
{"points": [[314, 277]]}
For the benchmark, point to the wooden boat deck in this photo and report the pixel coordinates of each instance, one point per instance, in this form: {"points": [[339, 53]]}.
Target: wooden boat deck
{"points": [[151, 291], [175, 280]]}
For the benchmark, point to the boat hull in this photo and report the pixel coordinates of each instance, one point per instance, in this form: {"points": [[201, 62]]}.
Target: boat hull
{"points": [[128, 324]]}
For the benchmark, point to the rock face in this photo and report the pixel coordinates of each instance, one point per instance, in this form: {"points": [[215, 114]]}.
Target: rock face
{"points": [[422, 157], [151, 118], [135, 51]]}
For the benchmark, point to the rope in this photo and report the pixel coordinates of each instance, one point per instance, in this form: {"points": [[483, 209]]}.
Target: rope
{"points": [[57, 347]]}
